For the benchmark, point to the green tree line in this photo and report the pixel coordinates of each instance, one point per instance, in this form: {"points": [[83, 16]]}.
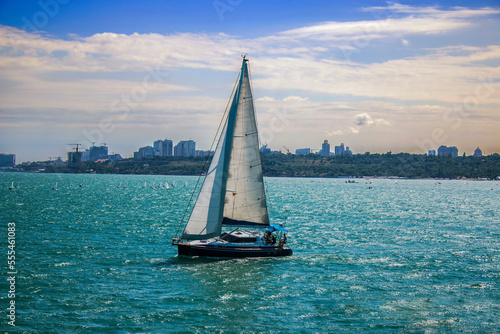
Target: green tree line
{"points": [[290, 165]]}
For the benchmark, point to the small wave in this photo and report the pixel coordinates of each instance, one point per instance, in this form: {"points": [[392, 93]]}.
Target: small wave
{"points": [[63, 264]]}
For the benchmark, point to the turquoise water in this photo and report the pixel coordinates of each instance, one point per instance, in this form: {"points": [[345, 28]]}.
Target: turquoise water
{"points": [[405, 256]]}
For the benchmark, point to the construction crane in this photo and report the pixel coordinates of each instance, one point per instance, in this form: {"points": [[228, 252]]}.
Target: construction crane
{"points": [[76, 150], [286, 149]]}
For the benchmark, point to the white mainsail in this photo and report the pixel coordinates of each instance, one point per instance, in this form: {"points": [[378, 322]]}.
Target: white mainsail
{"points": [[233, 190], [245, 202]]}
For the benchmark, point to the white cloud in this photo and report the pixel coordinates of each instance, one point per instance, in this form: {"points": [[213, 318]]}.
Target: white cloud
{"points": [[265, 99], [388, 22], [364, 119], [295, 99], [334, 133], [329, 61]]}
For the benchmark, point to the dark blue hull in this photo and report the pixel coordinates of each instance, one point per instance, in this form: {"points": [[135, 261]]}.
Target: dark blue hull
{"points": [[186, 249]]}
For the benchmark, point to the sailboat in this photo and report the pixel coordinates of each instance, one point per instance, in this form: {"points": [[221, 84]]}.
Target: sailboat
{"points": [[232, 195]]}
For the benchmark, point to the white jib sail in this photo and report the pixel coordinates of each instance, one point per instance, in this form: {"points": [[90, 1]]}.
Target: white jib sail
{"points": [[245, 202], [205, 220]]}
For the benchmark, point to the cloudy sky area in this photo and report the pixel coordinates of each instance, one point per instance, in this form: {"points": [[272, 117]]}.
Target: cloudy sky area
{"points": [[377, 76]]}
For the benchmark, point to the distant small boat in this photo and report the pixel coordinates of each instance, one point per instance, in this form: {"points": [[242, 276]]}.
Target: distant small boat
{"points": [[144, 186], [167, 186], [54, 187], [119, 185], [11, 186]]}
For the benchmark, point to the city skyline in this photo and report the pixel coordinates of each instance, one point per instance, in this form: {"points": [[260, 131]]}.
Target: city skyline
{"points": [[378, 75], [169, 150]]}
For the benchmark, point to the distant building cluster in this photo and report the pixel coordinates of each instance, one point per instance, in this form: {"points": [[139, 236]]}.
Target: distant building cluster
{"points": [[326, 150], [342, 150], [166, 148], [452, 151], [93, 153], [265, 150], [187, 148]]}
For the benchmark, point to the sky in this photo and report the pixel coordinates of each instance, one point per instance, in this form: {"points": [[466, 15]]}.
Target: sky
{"points": [[378, 76]]}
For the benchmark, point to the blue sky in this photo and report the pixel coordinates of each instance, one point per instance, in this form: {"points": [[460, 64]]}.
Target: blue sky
{"points": [[378, 76]]}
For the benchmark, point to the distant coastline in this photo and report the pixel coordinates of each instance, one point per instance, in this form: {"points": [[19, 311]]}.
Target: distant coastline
{"points": [[388, 165]]}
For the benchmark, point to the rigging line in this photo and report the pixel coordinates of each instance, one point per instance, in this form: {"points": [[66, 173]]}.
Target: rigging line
{"points": [[206, 159]]}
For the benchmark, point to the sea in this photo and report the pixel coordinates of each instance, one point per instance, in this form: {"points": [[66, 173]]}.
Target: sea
{"points": [[93, 254]]}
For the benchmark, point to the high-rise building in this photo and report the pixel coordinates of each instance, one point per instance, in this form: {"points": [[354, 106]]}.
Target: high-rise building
{"points": [[431, 152], [167, 148], [340, 150], [7, 160], [163, 148], [347, 151], [325, 149], [98, 152], [478, 153], [86, 155], [158, 148], [302, 151], [185, 148], [146, 151], [75, 159], [444, 151]]}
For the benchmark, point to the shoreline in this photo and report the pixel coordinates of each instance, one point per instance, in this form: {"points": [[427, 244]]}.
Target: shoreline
{"points": [[269, 176]]}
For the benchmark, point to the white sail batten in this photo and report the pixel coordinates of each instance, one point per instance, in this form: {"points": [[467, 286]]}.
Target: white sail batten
{"points": [[245, 202]]}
